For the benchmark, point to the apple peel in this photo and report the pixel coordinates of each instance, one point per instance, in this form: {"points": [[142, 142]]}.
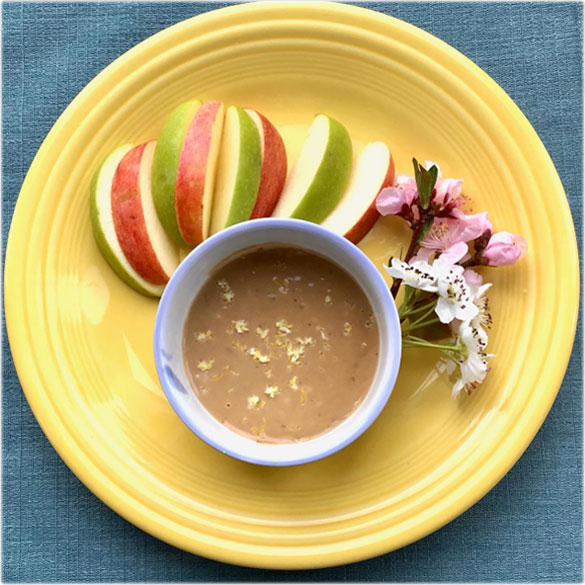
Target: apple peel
{"points": [[103, 228], [356, 212]]}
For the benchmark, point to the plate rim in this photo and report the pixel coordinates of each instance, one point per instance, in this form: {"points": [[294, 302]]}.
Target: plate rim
{"points": [[27, 381]]}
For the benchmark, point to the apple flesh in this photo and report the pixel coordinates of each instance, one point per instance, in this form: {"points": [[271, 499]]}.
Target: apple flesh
{"points": [[320, 173], [274, 165], [238, 172], [166, 164], [196, 172], [140, 234], [356, 212], [102, 223]]}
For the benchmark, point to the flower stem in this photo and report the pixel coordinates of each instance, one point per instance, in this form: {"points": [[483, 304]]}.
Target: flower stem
{"points": [[418, 324], [422, 317], [410, 340], [406, 312], [409, 295], [448, 355], [412, 250], [469, 263]]}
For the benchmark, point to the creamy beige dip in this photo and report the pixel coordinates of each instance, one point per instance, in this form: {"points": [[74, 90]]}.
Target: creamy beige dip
{"points": [[280, 344]]}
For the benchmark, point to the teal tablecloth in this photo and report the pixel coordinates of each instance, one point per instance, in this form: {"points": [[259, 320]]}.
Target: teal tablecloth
{"points": [[528, 528]]}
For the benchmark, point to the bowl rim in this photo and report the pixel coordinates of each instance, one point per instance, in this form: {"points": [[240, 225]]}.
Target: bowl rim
{"points": [[389, 321]]}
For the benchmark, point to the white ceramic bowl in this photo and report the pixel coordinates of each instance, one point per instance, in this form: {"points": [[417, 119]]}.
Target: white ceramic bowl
{"points": [[182, 289]]}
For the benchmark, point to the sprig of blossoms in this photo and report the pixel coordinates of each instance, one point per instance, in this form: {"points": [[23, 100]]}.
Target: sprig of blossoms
{"points": [[441, 287]]}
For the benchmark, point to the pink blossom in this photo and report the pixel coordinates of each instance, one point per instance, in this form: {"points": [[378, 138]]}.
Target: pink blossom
{"points": [[450, 255], [444, 236], [391, 200], [504, 248], [472, 226], [447, 191], [474, 280], [450, 236], [455, 253], [446, 233]]}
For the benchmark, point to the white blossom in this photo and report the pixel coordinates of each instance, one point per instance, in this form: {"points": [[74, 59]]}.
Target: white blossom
{"points": [[455, 296], [474, 366], [417, 275], [461, 303], [473, 371]]}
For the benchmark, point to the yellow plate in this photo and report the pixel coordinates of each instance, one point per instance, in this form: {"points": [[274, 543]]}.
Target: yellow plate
{"points": [[81, 339]]}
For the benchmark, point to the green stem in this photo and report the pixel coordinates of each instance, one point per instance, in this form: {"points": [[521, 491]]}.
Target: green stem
{"points": [[410, 340], [417, 324], [418, 309], [428, 312], [448, 355]]}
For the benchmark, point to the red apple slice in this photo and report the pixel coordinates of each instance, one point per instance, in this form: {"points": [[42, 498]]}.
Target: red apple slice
{"points": [[196, 172], [102, 224], [356, 212], [140, 234], [274, 165]]}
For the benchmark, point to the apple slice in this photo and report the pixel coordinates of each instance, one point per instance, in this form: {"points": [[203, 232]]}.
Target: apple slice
{"points": [[238, 173], [320, 173], [274, 165], [166, 163], [196, 172], [142, 238], [356, 212], [102, 223]]}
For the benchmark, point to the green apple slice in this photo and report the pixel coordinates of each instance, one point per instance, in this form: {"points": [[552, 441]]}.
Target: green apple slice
{"points": [[274, 165], [238, 172], [320, 174], [102, 223], [165, 165]]}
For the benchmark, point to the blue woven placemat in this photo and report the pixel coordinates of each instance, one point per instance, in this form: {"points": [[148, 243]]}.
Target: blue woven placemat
{"points": [[528, 528]]}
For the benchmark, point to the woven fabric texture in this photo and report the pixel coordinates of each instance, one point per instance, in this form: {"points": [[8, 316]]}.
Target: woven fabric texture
{"points": [[528, 528]]}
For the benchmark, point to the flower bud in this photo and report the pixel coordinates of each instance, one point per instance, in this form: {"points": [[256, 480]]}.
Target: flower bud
{"points": [[504, 248]]}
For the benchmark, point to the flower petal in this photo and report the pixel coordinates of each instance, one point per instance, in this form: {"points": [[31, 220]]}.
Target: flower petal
{"points": [[473, 279], [457, 387], [472, 226], [448, 191], [418, 275], [396, 268], [473, 336], [407, 184], [465, 311], [482, 289], [421, 256], [454, 253], [390, 201], [444, 310], [474, 369]]}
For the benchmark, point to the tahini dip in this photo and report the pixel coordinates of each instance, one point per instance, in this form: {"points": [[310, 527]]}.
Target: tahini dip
{"points": [[280, 344]]}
